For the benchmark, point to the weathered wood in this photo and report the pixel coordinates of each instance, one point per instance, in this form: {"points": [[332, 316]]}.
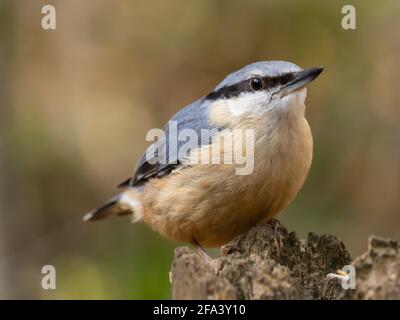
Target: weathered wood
{"points": [[270, 263]]}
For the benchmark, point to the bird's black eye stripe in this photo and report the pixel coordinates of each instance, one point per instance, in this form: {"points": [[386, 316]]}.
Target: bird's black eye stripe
{"points": [[249, 85]]}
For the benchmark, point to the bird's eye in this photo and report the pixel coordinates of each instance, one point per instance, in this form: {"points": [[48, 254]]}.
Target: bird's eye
{"points": [[256, 84]]}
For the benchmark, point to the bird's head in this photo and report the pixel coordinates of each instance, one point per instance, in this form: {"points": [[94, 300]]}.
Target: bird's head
{"points": [[260, 89]]}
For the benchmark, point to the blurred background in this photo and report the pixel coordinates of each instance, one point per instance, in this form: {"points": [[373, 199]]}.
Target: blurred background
{"points": [[76, 103]]}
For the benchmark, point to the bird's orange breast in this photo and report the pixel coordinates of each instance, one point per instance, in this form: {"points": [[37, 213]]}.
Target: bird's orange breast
{"points": [[212, 204]]}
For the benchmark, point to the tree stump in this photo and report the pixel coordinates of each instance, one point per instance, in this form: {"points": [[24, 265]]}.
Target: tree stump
{"points": [[271, 263]]}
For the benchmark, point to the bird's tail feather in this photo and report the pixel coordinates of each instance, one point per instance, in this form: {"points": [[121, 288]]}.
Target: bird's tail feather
{"points": [[127, 202]]}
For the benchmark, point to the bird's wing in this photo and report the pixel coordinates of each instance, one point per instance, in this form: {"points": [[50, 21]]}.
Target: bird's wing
{"points": [[194, 116]]}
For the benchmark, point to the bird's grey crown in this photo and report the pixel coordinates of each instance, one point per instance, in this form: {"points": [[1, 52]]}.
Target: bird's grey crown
{"points": [[262, 69]]}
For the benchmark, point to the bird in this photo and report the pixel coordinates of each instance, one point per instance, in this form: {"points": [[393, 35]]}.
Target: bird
{"points": [[205, 203]]}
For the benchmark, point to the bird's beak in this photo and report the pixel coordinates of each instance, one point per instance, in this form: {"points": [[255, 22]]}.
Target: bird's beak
{"points": [[300, 80]]}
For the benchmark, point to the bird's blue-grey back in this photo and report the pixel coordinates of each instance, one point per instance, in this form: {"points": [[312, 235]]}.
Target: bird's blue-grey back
{"points": [[194, 116]]}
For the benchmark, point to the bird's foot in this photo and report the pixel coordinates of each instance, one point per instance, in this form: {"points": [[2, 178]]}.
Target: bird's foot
{"points": [[209, 261]]}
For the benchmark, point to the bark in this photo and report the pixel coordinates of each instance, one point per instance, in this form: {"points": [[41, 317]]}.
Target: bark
{"points": [[271, 263]]}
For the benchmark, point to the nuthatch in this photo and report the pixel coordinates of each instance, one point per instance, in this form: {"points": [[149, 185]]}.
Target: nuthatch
{"points": [[209, 204]]}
